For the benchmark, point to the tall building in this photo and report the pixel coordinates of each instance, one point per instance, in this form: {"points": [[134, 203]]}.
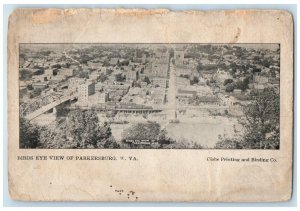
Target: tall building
{"points": [[179, 56], [84, 91]]}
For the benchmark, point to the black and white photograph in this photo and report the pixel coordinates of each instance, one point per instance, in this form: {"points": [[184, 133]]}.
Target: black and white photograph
{"points": [[149, 96]]}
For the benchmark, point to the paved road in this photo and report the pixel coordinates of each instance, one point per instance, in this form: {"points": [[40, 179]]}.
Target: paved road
{"points": [[171, 94]]}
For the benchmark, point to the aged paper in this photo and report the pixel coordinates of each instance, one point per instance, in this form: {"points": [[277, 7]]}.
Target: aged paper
{"points": [[150, 105]]}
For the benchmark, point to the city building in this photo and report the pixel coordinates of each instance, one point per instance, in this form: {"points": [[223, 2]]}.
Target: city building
{"points": [[131, 75], [57, 78], [74, 83], [161, 58], [179, 56], [144, 58], [103, 97], [48, 72], [114, 61], [158, 96], [156, 70], [40, 85], [186, 94], [161, 82], [260, 79], [99, 86], [22, 89], [208, 100], [237, 91], [181, 81], [68, 72], [84, 91], [143, 84], [94, 75]]}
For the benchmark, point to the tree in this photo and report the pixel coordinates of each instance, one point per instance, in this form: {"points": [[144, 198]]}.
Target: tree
{"points": [[147, 80], [228, 144], [83, 74], [123, 63], [29, 134], [58, 66], [25, 74], [29, 87], [229, 88], [136, 84], [228, 81], [142, 131], [102, 77], [84, 131], [84, 58], [195, 80], [243, 85], [54, 138], [37, 92], [260, 124], [184, 76], [39, 72], [81, 130], [119, 77], [262, 121], [199, 67]]}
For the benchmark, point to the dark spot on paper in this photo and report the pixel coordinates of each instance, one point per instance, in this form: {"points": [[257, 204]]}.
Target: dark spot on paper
{"points": [[236, 37]]}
